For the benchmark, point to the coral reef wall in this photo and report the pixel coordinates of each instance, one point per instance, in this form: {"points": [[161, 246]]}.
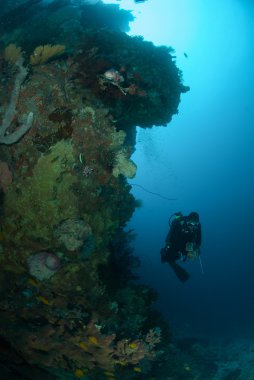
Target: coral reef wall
{"points": [[69, 304]]}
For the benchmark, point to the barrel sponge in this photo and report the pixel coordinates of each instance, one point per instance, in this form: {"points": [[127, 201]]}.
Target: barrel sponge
{"points": [[43, 265]]}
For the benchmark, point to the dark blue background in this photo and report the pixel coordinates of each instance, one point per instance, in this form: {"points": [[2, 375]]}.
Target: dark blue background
{"points": [[205, 159]]}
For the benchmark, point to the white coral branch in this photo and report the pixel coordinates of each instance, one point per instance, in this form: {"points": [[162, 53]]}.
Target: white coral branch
{"points": [[11, 138]]}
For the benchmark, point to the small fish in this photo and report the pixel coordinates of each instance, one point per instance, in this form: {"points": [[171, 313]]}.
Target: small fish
{"points": [[83, 345], [93, 339], [79, 373], [43, 300]]}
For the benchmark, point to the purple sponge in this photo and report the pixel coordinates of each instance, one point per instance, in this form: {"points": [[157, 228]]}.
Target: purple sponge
{"points": [[43, 265]]}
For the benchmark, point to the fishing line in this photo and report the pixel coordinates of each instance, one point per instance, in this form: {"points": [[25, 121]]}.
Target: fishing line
{"points": [[201, 265], [151, 192]]}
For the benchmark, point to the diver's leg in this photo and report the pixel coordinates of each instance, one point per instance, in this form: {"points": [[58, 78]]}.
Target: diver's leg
{"points": [[181, 273]]}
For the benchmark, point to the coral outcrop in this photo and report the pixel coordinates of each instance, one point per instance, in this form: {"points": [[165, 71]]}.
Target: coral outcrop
{"points": [[69, 303]]}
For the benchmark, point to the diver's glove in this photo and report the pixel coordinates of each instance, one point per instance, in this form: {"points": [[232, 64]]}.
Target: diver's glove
{"points": [[194, 254]]}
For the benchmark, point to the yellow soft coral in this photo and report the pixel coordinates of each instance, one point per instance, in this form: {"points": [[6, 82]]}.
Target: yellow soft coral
{"points": [[43, 53], [12, 53], [123, 165]]}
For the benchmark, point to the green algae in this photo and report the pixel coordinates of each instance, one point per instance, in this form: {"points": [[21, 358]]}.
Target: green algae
{"points": [[36, 205]]}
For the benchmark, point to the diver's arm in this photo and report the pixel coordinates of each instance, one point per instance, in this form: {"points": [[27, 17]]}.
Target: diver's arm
{"points": [[174, 231]]}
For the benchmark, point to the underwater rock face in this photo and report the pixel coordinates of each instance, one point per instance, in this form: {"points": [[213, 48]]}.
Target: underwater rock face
{"points": [[5, 176], [64, 185], [43, 265]]}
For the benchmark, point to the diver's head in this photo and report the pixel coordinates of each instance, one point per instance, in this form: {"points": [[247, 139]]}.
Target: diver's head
{"points": [[193, 218]]}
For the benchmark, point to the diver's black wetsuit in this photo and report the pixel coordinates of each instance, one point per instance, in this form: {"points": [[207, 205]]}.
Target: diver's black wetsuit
{"points": [[181, 233]]}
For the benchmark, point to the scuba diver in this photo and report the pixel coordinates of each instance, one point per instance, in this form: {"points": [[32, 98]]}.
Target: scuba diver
{"points": [[182, 242]]}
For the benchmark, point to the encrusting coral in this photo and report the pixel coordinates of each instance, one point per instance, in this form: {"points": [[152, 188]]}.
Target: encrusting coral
{"points": [[5, 176], [73, 233], [44, 199]]}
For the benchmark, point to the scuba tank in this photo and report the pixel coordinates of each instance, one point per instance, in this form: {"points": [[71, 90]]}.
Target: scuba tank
{"points": [[176, 215]]}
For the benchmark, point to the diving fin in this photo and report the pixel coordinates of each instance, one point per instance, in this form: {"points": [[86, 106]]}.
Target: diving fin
{"points": [[181, 273]]}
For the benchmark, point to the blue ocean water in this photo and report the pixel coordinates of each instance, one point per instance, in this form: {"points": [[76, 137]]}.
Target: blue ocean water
{"points": [[205, 159]]}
